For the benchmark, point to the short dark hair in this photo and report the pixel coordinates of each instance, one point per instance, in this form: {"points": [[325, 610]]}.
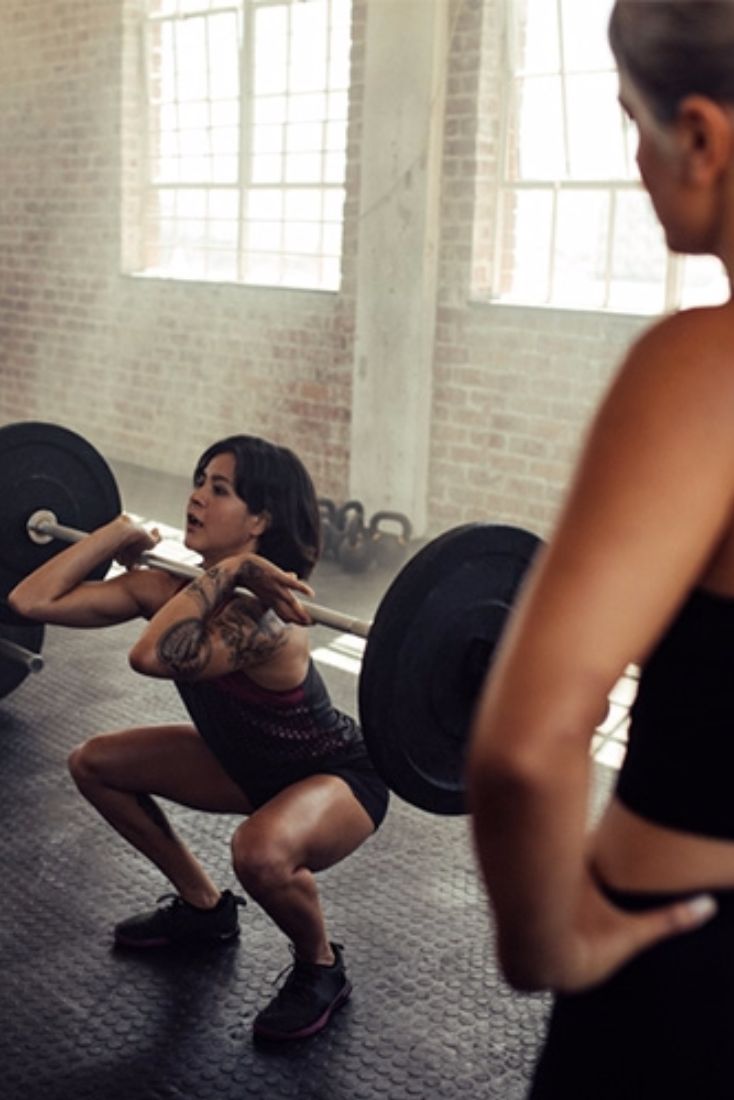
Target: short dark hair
{"points": [[273, 479], [674, 48]]}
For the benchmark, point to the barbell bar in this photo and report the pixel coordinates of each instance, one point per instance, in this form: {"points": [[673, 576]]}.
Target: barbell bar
{"points": [[43, 525], [427, 650], [12, 651]]}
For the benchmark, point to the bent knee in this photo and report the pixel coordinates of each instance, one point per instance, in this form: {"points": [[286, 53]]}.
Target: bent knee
{"points": [[259, 861], [86, 761]]}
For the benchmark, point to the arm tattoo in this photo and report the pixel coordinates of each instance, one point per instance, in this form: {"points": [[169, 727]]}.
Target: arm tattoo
{"points": [[249, 638], [251, 641], [185, 647], [210, 589]]}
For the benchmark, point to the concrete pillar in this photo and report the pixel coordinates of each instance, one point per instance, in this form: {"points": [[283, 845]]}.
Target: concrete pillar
{"points": [[405, 86]]}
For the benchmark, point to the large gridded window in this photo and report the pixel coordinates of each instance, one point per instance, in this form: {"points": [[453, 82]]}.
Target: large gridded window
{"points": [[247, 118], [575, 227]]}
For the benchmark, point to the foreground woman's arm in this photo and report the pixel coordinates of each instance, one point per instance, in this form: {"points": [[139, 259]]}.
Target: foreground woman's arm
{"points": [[649, 507]]}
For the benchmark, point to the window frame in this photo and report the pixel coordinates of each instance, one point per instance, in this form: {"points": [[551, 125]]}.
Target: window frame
{"points": [[327, 257], [672, 295]]}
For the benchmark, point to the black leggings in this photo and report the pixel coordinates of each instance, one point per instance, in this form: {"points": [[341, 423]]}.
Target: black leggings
{"points": [[661, 1028]]}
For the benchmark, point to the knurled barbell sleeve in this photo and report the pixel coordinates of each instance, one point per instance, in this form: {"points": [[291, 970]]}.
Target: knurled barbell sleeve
{"points": [[11, 651]]}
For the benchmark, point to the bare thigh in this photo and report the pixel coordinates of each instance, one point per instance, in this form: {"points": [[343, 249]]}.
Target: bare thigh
{"points": [[170, 761], [315, 822]]}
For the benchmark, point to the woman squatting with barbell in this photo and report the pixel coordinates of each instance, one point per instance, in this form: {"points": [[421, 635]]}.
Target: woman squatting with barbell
{"points": [[266, 741], [641, 568]]}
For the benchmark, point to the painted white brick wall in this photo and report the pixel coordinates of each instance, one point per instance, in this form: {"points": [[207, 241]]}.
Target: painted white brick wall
{"points": [[152, 370]]}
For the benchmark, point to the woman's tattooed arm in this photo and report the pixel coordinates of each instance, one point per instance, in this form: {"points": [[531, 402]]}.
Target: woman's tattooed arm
{"points": [[248, 638]]}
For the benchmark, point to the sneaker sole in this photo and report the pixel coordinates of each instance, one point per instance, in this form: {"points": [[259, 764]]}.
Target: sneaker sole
{"points": [[164, 941], [312, 1029]]}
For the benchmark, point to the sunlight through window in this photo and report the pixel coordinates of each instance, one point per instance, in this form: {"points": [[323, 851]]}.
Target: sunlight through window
{"points": [[247, 117], [575, 227]]}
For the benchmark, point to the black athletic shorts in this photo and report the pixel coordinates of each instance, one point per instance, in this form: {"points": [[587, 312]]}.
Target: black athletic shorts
{"points": [[261, 781]]}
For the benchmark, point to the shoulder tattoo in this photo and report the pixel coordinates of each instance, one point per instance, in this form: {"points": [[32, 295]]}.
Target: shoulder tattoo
{"points": [[185, 647], [250, 640]]}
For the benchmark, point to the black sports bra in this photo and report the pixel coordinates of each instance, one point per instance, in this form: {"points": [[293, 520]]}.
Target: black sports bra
{"points": [[679, 767]]}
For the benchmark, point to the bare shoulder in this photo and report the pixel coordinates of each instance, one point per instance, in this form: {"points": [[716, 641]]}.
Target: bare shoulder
{"points": [[701, 339], [676, 380]]}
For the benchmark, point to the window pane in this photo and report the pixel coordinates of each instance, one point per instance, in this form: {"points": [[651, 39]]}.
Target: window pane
{"points": [[224, 77], [265, 205], [585, 44], [595, 134], [525, 258], [191, 204], [539, 122], [221, 265], [535, 36], [224, 169], [303, 168], [335, 165], [271, 109], [639, 256], [224, 204], [302, 237], [581, 249], [270, 49], [267, 139], [704, 281], [222, 233], [194, 143], [265, 236], [263, 268], [338, 105], [163, 64], [191, 67], [336, 136], [307, 108], [308, 46], [297, 69], [267, 169], [303, 205], [225, 112], [304, 137], [224, 142], [331, 243], [334, 204], [303, 271]]}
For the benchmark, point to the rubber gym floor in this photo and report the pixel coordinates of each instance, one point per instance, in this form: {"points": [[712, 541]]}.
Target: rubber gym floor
{"points": [[429, 1016]]}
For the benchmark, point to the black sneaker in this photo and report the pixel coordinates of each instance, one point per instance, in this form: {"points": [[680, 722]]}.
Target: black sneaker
{"points": [[310, 995], [177, 922]]}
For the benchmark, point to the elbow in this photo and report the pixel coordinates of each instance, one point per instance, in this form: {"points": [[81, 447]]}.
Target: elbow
{"points": [[21, 604], [495, 775], [522, 972], [143, 659]]}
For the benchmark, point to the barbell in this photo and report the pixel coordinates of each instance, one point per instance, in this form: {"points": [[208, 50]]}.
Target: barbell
{"points": [[427, 650]]}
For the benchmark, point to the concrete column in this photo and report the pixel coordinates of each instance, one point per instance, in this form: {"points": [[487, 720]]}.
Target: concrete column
{"points": [[402, 144]]}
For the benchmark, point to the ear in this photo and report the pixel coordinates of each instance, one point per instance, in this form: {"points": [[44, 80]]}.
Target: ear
{"points": [[262, 522], [704, 134]]}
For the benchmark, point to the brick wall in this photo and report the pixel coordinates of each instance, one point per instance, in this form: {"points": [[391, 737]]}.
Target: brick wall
{"points": [[151, 370], [514, 388]]}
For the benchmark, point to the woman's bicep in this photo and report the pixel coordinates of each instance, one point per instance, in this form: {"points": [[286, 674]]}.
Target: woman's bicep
{"points": [[93, 604]]}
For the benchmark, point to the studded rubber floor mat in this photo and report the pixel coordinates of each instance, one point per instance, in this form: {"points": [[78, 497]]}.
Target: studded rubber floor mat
{"points": [[428, 1018]]}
